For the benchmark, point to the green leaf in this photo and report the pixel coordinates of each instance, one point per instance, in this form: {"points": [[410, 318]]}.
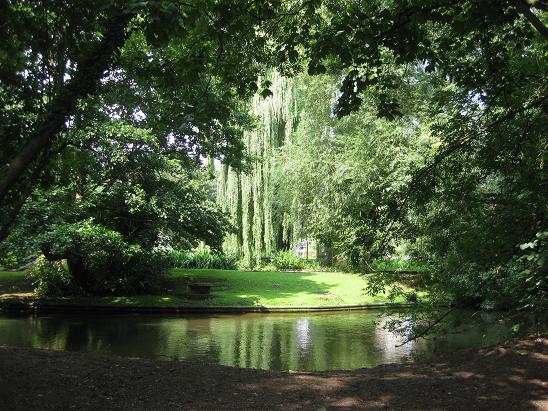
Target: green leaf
{"points": [[266, 93]]}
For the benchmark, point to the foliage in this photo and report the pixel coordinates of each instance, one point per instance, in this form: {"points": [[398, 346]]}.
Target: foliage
{"points": [[177, 71], [117, 175], [200, 53], [533, 275], [202, 258], [477, 91], [470, 42], [9, 260], [287, 260], [262, 225], [398, 264], [424, 124], [51, 277], [140, 192], [101, 261], [366, 186], [343, 177]]}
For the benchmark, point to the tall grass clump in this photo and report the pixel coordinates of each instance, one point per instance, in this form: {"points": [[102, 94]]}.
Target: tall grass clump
{"points": [[202, 258]]}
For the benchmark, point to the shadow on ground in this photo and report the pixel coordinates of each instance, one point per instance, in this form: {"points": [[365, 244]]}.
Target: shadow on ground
{"points": [[505, 379], [16, 284]]}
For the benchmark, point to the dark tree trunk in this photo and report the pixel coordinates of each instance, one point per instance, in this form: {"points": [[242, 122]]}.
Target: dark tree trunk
{"points": [[524, 9], [75, 264], [78, 272]]}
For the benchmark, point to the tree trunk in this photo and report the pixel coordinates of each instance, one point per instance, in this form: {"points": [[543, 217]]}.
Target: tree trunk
{"points": [[78, 272], [75, 264]]}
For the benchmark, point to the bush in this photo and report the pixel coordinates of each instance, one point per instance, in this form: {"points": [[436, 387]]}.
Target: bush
{"points": [[144, 271], [101, 262], [9, 260], [398, 264], [287, 260], [202, 259], [50, 277]]}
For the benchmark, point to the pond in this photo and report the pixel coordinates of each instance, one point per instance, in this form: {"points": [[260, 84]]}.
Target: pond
{"points": [[300, 342]]}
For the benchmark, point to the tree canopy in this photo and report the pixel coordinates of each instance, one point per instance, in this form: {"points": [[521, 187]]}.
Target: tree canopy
{"points": [[377, 128]]}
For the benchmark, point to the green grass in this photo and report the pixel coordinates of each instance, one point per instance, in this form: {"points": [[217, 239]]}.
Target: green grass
{"points": [[270, 289], [14, 282], [246, 288]]}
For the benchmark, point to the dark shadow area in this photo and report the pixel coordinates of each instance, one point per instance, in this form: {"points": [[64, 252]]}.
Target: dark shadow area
{"points": [[498, 379], [505, 379], [15, 284]]}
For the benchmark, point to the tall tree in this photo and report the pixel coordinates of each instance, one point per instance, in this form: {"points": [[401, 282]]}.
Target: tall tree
{"points": [[262, 224], [59, 54]]}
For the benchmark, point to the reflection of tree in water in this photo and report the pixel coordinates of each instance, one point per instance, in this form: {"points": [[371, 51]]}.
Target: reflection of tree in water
{"points": [[389, 344], [29, 331], [312, 342], [303, 342], [260, 342]]}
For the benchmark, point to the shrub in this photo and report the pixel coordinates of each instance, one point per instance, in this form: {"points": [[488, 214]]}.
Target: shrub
{"points": [[398, 264], [100, 261], [287, 260], [9, 260], [50, 277], [144, 271], [202, 258], [532, 285]]}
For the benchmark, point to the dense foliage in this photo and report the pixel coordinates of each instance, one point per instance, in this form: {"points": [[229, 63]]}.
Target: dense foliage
{"points": [[202, 258], [99, 260], [51, 277], [419, 132], [287, 260]]}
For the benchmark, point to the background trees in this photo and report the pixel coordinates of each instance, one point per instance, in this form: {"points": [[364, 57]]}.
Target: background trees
{"points": [[109, 110], [424, 130], [458, 178], [177, 67]]}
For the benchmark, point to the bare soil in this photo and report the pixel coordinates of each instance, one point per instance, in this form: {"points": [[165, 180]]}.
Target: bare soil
{"points": [[512, 377]]}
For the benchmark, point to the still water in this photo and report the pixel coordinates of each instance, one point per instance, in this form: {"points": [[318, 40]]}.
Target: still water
{"points": [[303, 342]]}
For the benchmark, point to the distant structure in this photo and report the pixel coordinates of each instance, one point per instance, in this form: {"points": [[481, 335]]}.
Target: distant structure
{"points": [[306, 249]]}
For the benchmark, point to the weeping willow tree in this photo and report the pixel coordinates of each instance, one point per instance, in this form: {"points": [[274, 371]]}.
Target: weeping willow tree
{"points": [[262, 224]]}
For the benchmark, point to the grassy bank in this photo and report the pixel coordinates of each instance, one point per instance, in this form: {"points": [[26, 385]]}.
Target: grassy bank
{"points": [[237, 288], [14, 282]]}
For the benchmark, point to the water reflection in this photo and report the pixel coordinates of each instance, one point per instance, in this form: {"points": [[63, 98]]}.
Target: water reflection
{"points": [[281, 342]]}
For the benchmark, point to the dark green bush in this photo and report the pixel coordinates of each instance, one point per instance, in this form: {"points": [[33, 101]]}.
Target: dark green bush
{"points": [[145, 271], [287, 260], [100, 261]]}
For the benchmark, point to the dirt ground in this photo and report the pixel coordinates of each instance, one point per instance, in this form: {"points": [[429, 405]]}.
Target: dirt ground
{"points": [[514, 377]]}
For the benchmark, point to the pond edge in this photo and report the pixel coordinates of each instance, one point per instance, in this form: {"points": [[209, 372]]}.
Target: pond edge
{"points": [[39, 306]]}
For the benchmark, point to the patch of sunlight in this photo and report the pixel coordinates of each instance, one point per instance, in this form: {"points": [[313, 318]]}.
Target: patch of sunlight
{"points": [[124, 300]]}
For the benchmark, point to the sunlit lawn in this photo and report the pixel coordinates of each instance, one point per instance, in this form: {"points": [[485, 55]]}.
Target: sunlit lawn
{"points": [[247, 288]]}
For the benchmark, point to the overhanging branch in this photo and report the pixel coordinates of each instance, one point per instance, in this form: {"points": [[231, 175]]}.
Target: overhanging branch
{"points": [[529, 15]]}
